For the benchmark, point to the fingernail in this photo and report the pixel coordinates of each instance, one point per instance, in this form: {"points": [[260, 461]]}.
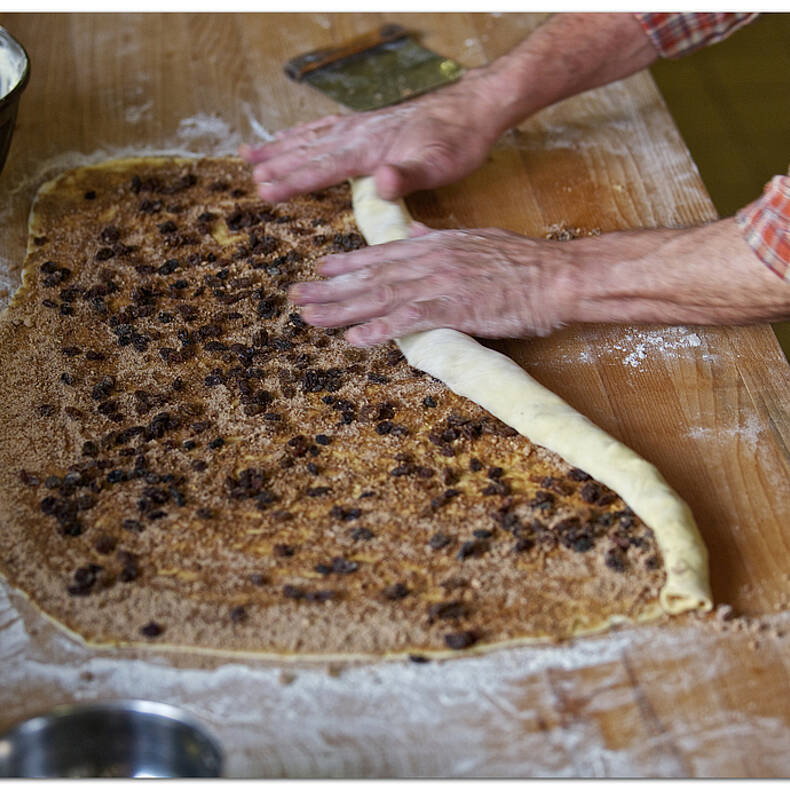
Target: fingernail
{"points": [[294, 293]]}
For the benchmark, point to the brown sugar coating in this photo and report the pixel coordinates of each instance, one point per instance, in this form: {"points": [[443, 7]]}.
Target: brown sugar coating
{"points": [[185, 461]]}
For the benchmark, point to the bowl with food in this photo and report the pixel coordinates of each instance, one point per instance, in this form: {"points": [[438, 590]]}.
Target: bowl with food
{"points": [[14, 74]]}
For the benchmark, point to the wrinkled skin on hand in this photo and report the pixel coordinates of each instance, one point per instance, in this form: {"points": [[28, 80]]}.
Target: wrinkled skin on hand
{"points": [[424, 143], [489, 283]]}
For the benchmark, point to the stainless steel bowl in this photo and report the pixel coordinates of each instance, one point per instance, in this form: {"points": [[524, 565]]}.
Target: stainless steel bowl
{"points": [[122, 738], [14, 74]]}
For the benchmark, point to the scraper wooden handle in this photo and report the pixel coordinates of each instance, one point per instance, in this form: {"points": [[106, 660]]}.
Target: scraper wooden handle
{"points": [[297, 68]]}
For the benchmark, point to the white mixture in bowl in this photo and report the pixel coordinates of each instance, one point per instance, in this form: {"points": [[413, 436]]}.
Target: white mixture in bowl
{"points": [[12, 63]]}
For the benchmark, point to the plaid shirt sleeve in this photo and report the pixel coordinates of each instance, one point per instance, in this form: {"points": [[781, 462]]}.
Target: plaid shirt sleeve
{"points": [[674, 35], [766, 225]]}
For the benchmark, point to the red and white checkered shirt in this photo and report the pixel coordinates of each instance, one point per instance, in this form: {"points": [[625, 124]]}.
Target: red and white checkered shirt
{"points": [[674, 35], [766, 225], [765, 222]]}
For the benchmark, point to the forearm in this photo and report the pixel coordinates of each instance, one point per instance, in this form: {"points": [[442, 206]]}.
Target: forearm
{"points": [[568, 54], [704, 275]]}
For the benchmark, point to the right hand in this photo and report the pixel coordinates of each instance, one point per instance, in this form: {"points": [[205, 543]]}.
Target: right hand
{"points": [[420, 144], [485, 282]]}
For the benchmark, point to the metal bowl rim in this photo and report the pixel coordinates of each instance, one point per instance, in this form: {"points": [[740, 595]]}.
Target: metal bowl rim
{"points": [[12, 95], [146, 707]]}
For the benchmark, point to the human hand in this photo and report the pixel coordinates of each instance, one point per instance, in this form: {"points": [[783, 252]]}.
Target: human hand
{"points": [[489, 283], [420, 144]]}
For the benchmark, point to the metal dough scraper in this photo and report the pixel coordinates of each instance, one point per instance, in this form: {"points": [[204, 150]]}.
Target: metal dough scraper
{"points": [[379, 68]]}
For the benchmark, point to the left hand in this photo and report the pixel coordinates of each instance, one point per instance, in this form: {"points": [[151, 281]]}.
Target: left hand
{"points": [[489, 283]]}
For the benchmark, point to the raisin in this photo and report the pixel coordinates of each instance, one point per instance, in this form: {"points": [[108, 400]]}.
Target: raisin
{"points": [[342, 565], [132, 525], [440, 540], [652, 563], [590, 492], [523, 544], [472, 548], [615, 559], [105, 544], [152, 629], [395, 591], [447, 610], [84, 580], [110, 234], [460, 639]]}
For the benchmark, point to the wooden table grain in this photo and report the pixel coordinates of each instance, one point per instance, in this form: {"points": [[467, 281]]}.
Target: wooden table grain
{"points": [[694, 696]]}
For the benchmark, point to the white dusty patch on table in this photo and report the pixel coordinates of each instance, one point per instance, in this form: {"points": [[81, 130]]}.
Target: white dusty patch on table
{"points": [[517, 712], [637, 346], [134, 113]]}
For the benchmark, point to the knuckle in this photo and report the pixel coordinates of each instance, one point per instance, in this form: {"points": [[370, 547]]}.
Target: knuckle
{"points": [[439, 155], [383, 296], [328, 162], [412, 314]]}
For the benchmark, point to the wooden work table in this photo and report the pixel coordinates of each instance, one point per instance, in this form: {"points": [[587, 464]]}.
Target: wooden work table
{"points": [[693, 696]]}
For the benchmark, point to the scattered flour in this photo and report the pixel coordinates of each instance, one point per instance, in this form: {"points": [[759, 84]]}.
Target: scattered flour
{"points": [[517, 712], [634, 358], [748, 429], [635, 346], [135, 112], [256, 126], [640, 344], [202, 127]]}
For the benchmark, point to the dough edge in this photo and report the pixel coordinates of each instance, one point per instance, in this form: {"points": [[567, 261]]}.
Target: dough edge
{"points": [[468, 368]]}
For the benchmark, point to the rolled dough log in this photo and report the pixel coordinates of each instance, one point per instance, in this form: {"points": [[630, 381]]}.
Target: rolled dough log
{"points": [[499, 385]]}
